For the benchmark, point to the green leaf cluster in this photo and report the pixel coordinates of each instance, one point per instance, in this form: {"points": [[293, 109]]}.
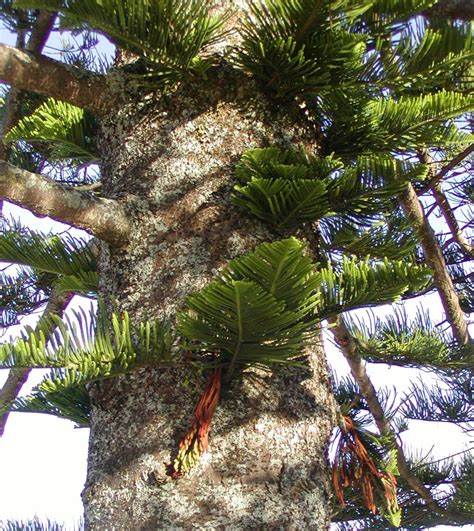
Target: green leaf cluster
{"points": [[391, 124], [21, 294], [168, 34], [67, 263], [289, 187], [264, 307], [356, 283], [415, 342], [300, 46], [68, 130], [260, 312], [82, 350]]}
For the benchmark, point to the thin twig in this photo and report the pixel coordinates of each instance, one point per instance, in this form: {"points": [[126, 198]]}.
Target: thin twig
{"points": [[451, 220], [447, 168]]}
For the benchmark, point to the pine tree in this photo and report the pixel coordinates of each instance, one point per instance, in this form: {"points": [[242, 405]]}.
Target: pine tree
{"points": [[264, 168]]}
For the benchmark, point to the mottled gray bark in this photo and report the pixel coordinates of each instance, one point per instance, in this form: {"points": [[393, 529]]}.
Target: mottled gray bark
{"points": [[266, 467]]}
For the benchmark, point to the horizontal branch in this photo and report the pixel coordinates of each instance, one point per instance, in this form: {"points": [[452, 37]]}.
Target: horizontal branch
{"points": [[36, 73], [104, 218]]}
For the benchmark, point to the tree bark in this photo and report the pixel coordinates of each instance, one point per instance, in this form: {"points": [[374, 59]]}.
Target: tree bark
{"points": [[36, 73], [266, 466], [105, 218], [435, 260]]}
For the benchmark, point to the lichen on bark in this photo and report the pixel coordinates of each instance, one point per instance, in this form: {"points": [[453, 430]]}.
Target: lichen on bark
{"points": [[169, 160]]}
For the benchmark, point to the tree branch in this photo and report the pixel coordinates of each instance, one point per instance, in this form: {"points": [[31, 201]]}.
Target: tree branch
{"points": [[447, 168], [104, 218], [348, 347], [41, 30], [36, 73], [435, 260], [17, 377], [451, 220]]}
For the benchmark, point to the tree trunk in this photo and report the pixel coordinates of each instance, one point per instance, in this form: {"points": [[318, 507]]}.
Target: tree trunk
{"points": [[169, 159]]}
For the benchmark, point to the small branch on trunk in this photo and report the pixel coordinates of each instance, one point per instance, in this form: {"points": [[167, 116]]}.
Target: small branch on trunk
{"points": [[93, 187], [435, 260], [348, 347], [17, 377], [448, 214], [104, 218], [26, 71]]}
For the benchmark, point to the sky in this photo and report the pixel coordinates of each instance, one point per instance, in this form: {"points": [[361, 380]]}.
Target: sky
{"points": [[43, 459]]}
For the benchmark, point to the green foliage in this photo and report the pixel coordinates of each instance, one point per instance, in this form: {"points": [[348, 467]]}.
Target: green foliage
{"points": [[80, 351], [391, 15], [379, 86], [408, 342], [391, 237], [288, 188], [260, 312], [355, 283], [168, 34], [71, 261], [15, 19], [422, 57], [300, 46], [409, 120], [442, 403], [70, 403], [283, 202], [91, 347], [393, 124], [68, 129], [449, 479], [452, 480], [364, 464]]}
